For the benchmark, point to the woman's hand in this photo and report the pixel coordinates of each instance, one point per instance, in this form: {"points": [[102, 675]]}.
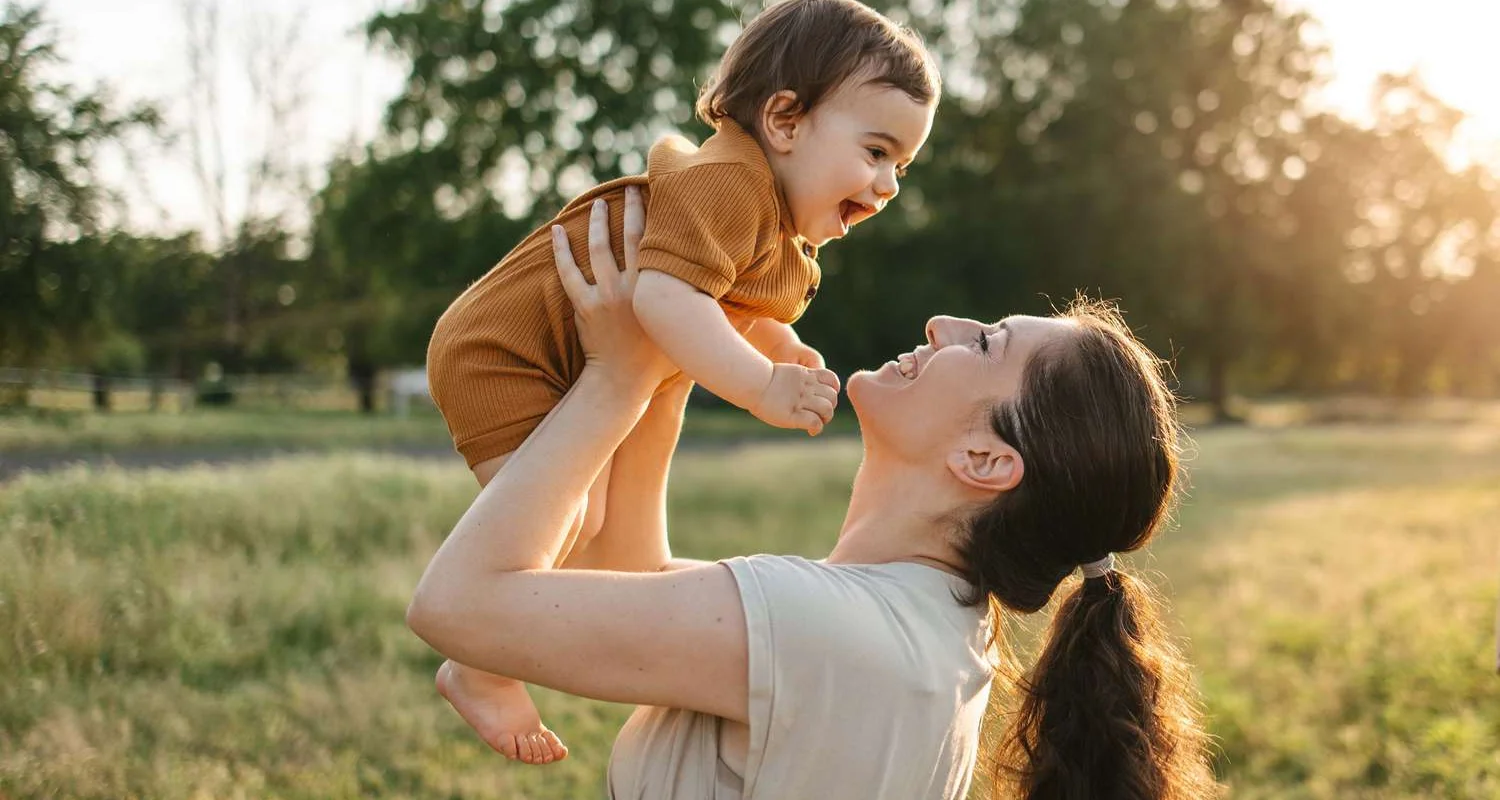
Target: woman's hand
{"points": [[613, 342]]}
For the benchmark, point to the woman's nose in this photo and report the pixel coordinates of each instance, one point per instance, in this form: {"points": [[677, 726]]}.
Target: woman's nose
{"points": [[939, 330]]}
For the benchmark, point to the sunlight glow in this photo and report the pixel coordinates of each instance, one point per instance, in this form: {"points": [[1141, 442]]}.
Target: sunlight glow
{"points": [[1449, 43]]}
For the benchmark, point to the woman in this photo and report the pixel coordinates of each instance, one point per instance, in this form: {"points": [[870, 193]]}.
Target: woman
{"points": [[997, 460]]}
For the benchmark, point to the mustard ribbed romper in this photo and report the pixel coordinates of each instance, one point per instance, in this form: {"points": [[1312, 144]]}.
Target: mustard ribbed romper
{"points": [[506, 350]]}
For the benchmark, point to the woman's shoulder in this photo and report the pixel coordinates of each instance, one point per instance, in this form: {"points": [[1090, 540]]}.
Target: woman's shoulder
{"points": [[899, 628], [896, 575], [857, 600]]}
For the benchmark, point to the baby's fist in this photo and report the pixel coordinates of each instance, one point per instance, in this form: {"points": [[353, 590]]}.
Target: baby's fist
{"points": [[798, 397]]}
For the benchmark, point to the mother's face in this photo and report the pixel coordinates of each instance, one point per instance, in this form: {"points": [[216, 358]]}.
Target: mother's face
{"points": [[925, 401]]}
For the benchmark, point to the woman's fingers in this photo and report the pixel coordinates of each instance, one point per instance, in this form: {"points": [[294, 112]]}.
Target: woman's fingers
{"points": [[635, 228], [567, 269], [606, 271]]}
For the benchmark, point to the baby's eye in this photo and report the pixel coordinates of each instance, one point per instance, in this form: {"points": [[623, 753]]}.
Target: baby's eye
{"points": [[984, 342], [901, 171], [875, 153]]}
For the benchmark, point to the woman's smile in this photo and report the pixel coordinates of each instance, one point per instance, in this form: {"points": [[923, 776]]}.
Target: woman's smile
{"points": [[908, 366]]}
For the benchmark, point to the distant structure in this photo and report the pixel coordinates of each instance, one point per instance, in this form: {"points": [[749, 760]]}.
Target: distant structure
{"points": [[406, 384]]}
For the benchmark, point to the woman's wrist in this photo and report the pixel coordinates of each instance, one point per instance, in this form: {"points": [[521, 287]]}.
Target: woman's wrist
{"points": [[630, 388]]}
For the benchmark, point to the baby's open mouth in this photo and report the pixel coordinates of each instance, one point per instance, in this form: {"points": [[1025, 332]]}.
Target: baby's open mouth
{"points": [[847, 211]]}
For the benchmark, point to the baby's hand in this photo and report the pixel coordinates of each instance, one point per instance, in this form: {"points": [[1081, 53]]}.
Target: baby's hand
{"points": [[798, 397], [799, 353]]}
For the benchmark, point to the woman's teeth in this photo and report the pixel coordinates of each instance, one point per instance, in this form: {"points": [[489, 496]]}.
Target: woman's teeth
{"points": [[907, 366]]}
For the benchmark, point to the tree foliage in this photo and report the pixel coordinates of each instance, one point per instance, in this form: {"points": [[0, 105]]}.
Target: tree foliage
{"points": [[49, 134], [1163, 152]]}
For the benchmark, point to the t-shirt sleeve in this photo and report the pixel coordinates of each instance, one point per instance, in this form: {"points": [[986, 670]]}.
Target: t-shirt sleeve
{"points": [[705, 224], [810, 643]]}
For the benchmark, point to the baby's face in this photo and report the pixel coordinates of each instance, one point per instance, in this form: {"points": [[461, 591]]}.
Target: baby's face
{"points": [[847, 157]]}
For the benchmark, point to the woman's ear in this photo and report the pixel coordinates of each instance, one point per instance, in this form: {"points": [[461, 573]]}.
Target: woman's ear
{"points": [[990, 466], [779, 118]]}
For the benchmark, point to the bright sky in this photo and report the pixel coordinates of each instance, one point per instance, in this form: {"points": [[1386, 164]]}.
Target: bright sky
{"points": [[1451, 43], [138, 47]]}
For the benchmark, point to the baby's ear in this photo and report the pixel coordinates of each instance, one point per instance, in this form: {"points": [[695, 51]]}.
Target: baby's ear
{"points": [[779, 118]]}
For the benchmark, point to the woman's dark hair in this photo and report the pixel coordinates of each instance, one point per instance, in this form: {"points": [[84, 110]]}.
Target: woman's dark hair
{"points": [[811, 47], [1109, 710]]}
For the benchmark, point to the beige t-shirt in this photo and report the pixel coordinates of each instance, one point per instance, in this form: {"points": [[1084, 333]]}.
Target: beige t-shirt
{"points": [[867, 682]]}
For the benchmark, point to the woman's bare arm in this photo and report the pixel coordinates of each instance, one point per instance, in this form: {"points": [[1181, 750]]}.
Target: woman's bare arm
{"points": [[487, 599]]}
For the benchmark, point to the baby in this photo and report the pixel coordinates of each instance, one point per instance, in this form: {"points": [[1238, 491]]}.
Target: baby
{"points": [[819, 107]]}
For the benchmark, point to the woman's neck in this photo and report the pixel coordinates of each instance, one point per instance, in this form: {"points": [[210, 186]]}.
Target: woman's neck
{"points": [[899, 512]]}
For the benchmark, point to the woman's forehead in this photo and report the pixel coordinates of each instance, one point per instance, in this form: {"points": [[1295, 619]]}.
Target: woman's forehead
{"points": [[1023, 326]]}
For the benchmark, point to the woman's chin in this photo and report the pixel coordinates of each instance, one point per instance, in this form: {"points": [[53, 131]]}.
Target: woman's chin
{"points": [[861, 378], [867, 383], [854, 388]]}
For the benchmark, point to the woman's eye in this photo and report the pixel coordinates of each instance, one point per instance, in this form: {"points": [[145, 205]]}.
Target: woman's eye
{"points": [[984, 342]]}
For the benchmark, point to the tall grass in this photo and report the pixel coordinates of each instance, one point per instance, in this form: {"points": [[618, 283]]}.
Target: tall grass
{"points": [[238, 632], [90, 432], [85, 432]]}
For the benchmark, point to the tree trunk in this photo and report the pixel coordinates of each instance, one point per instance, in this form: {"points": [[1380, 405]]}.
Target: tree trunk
{"points": [[101, 393], [364, 383], [1218, 386]]}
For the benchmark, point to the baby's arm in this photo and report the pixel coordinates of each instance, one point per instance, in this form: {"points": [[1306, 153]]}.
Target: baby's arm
{"points": [[777, 341], [691, 328]]}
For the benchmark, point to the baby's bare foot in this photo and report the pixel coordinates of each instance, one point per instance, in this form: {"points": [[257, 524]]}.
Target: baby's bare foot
{"points": [[501, 711]]}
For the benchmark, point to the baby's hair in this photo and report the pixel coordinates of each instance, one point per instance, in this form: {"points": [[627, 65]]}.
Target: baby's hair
{"points": [[811, 48]]}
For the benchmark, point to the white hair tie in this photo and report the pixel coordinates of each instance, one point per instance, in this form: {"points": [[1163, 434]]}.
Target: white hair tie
{"points": [[1096, 569]]}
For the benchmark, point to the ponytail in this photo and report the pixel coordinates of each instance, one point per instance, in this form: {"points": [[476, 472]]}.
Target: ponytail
{"points": [[1109, 711]]}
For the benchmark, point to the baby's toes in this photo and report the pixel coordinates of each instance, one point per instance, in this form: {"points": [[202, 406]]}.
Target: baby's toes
{"points": [[509, 745], [558, 751], [541, 752]]}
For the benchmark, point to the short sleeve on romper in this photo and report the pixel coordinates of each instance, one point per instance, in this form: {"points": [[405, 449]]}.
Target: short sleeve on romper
{"points": [[707, 223]]}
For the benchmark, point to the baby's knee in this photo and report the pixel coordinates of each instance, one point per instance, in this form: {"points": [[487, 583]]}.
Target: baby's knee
{"points": [[590, 523]]}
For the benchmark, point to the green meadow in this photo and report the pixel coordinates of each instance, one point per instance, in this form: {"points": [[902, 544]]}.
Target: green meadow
{"points": [[85, 433], [237, 631]]}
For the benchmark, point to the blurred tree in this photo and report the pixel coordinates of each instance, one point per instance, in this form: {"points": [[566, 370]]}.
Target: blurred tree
{"points": [[161, 291], [507, 111], [1139, 150], [533, 101], [249, 223], [1422, 232], [49, 134], [1308, 306], [1163, 153]]}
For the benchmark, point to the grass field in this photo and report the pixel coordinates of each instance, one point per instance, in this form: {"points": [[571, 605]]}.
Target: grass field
{"points": [[90, 432], [237, 632]]}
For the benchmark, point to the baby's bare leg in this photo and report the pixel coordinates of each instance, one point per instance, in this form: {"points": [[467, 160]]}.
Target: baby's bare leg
{"points": [[626, 548], [498, 708]]}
